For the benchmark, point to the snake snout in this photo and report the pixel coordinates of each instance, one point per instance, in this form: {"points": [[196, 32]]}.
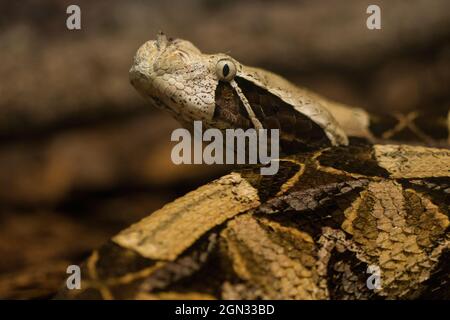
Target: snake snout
{"points": [[144, 59]]}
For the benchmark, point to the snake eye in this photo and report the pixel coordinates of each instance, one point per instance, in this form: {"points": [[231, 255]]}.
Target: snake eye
{"points": [[225, 69]]}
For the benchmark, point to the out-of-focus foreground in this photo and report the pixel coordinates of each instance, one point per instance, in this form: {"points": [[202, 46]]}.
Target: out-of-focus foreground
{"points": [[81, 154]]}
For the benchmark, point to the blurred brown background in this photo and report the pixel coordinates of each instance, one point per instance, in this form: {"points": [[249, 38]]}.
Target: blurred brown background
{"points": [[82, 156]]}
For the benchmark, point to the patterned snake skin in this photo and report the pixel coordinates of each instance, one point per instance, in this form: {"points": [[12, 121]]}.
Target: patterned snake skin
{"points": [[335, 217]]}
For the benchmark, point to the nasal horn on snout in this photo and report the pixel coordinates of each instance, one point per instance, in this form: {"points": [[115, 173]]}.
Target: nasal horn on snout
{"points": [[161, 40]]}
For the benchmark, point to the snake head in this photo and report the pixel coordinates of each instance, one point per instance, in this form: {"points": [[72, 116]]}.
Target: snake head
{"points": [[223, 93], [177, 77]]}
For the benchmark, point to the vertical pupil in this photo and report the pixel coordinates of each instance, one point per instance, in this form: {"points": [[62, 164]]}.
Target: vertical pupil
{"points": [[225, 70]]}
